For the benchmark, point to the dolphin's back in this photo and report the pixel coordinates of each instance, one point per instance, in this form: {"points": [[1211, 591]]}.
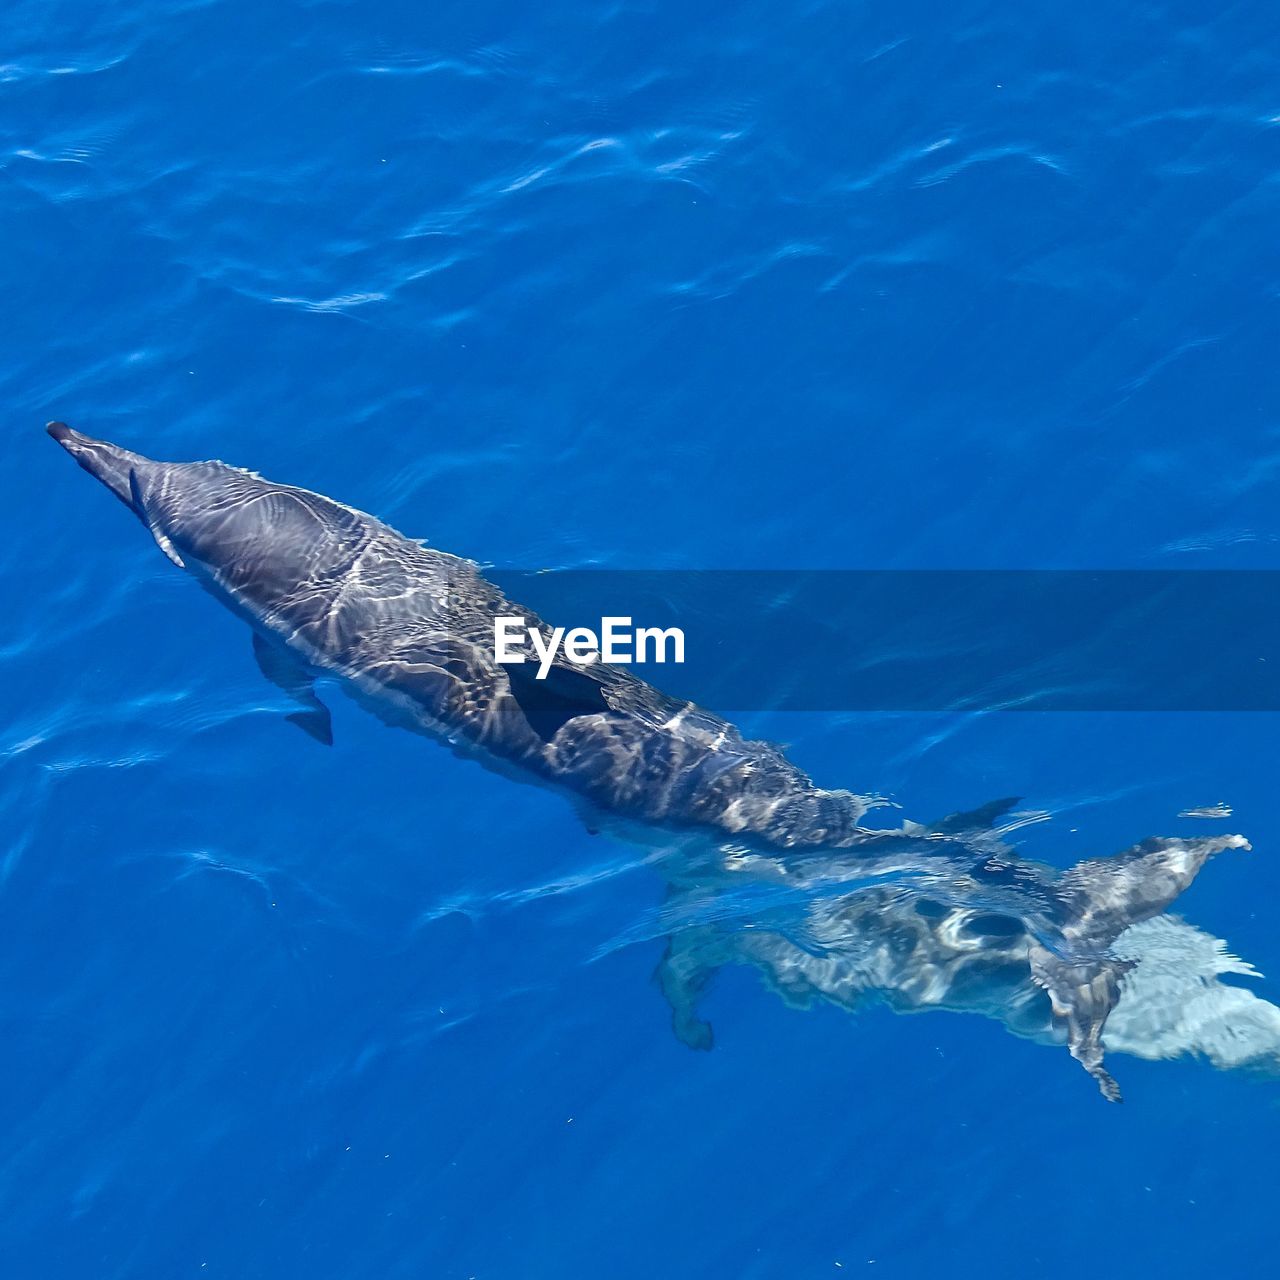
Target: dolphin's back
{"points": [[285, 554]]}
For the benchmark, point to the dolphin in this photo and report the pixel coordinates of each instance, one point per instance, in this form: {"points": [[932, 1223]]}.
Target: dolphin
{"points": [[913, 952], [408, 630]]}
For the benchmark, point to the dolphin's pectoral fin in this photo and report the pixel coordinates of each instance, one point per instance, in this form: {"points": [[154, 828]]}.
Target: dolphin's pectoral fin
{"points": [[1082, 994], [315, 724], [287, 674], [548, 705], [140, 506], [683, 974]]}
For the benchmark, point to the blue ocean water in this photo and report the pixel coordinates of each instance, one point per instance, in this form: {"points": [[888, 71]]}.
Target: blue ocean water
{"points": [[826, 285]]}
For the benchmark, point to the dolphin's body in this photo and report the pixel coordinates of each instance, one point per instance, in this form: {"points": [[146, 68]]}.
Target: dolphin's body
{"points": [[409, 630]]}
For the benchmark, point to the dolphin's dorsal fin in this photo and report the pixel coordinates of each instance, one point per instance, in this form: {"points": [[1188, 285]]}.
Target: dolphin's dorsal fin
{"points": [[549, 704], [288, 674], [140, 506]]}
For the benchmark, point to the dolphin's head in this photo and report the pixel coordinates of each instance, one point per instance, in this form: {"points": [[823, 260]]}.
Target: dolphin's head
{"points": [[106, 462], [251, 536], [185, 505]]}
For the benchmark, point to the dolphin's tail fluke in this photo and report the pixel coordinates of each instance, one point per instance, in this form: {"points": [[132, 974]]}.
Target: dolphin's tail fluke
{"points": [[107, 462]]}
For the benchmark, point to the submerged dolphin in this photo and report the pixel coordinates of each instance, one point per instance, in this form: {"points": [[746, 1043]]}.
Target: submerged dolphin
{"points": [[409, 630], [917, 948]]}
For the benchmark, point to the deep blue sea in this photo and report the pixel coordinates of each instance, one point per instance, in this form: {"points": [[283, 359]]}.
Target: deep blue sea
{"points": [[638, 285]]}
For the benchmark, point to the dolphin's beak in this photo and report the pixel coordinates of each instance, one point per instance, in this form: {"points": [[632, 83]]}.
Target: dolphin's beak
{"points": [[108, 462]]}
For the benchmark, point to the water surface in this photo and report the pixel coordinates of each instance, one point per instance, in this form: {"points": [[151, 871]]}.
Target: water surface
{"points": [[648, 286]]}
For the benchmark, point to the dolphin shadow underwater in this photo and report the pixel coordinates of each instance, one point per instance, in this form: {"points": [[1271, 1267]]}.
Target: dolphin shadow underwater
{"points": [[763, 867]]}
